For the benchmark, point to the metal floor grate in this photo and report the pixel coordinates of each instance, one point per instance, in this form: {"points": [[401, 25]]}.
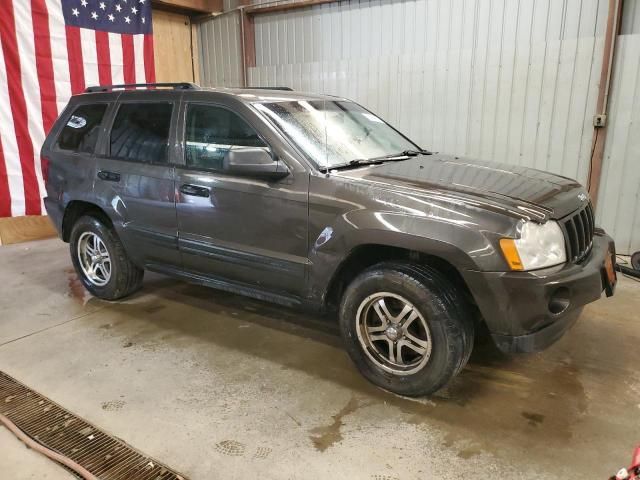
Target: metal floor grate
{"points": [[104, 456]]}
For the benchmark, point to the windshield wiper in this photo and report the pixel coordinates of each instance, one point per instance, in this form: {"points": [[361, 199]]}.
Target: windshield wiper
{"points": [[413, 153], [358, 162], [393, 157]]}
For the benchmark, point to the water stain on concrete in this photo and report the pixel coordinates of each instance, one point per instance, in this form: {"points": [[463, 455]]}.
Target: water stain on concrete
{"points": [[76, 289], [467, 453], [112, 405], [534, 419], [325, 436], [154, 308], [483, 405]]}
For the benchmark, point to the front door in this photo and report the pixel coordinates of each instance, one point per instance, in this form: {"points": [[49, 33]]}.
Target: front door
{"points": [[239, 228], [136, 175]]}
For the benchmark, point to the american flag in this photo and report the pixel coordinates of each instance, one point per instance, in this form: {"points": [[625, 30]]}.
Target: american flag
{"points": [[51, 49]]}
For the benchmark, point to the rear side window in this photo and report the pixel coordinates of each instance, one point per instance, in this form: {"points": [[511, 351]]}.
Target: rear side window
{"points": [[80, 134], [140, 132], [210, 133]]}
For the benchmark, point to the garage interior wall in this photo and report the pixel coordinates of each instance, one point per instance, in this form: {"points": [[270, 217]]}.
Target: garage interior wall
{"points": [[173, 47], [619, 210], [220, 48], [514, 81]]}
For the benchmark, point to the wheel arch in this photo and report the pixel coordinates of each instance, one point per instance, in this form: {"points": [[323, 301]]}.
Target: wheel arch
{"points": [[364, 256], [78, 208]]}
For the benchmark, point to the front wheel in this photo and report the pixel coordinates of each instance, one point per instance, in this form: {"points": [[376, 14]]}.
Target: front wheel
{"points": [[406, 327]]}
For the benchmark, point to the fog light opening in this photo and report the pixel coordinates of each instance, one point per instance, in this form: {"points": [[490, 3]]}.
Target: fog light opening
{"points": [[559, 301]]}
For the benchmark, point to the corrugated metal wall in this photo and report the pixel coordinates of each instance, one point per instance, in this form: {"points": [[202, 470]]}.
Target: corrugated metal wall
{"points": [[220, 50], [508, 80], [619, 209]]}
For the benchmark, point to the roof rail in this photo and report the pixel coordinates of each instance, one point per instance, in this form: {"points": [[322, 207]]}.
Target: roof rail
{"points": [[288, 89], [175, 86]]}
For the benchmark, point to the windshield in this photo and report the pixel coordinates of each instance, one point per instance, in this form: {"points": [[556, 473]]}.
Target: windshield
{"points": [[335, 133]]}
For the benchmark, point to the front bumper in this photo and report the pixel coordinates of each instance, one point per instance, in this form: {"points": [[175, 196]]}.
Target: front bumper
{"points": [[528, 311]]}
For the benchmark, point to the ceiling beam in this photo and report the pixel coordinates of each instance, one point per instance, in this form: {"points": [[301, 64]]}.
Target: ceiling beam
{"points": [[283, 7], [192, 6]]}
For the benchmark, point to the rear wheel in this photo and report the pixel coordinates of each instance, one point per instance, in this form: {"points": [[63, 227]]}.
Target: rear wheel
{"points": [[407, 328], [100, 260]]}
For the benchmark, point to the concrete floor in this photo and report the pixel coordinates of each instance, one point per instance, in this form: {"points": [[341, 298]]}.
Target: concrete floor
{"points": [[220, 386]]}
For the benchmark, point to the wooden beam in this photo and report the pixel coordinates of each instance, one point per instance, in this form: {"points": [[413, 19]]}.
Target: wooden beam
{"points": [[195, 55], [600, 133], [25, 229], [173, 46], [283, 7], [248, 43], [193, 6]]}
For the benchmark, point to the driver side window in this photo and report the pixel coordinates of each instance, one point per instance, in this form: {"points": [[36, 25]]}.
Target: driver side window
{"points": [[211, 131]]}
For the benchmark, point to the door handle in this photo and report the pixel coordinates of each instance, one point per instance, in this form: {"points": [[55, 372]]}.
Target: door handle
{"points": [[194, 190], [108, 176]]}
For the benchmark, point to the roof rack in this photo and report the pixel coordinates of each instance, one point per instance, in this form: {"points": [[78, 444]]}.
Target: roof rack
{"points": [[175, 86], [288, 89]]}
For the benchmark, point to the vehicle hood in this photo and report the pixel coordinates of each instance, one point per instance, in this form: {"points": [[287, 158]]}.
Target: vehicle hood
{"points": [[525, 192]]}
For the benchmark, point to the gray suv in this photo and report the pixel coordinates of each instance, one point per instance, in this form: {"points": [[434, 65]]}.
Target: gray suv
{"points": [[313, 201]]}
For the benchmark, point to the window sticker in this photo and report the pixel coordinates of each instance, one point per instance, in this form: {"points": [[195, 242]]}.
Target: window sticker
{"points": [[76, 122]]}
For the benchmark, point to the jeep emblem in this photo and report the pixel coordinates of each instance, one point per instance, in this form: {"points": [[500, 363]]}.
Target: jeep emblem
{"points": [[582, 197]]}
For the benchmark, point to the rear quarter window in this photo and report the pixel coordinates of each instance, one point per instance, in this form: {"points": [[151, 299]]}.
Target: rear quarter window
{"points": [[82, 129]]}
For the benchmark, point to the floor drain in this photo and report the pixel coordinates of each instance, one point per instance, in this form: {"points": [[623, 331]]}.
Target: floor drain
{"points": [[104, 456]]}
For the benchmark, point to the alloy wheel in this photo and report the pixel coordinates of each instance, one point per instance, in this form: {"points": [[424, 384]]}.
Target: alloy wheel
{"points": [[94, 259], [393, 333]]}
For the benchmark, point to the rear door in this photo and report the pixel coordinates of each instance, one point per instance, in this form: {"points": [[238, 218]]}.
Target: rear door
{"points": [[70, 153], [135, 175]]}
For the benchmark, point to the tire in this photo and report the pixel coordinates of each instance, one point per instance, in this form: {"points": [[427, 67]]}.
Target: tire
{"points": [[443, 327], [114, 276]]}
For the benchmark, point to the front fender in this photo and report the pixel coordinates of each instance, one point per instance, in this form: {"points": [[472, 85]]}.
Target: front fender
{"points": [[459, 241]]}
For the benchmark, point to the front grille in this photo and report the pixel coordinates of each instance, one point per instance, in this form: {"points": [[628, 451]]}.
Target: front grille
{"points": [[578, 231]]}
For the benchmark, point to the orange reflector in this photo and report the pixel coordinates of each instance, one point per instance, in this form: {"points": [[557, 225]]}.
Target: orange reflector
{"points": [[510, 252]]}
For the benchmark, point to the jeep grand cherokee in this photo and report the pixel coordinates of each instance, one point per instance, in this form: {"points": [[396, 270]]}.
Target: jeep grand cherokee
{"points": [[314, 201]]}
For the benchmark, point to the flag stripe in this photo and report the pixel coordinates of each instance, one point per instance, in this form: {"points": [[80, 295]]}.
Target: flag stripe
{"points": [[59, 54], [76, 64], [104, 58], [10, 147], [89, 56], [44, 67], [128, 58], [5, 194], [115, 50], [44, 63], [19, 110], [138, 53], [149, 67], [30, 83]]}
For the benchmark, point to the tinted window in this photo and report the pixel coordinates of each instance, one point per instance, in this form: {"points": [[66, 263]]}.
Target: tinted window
{"points": [[211, 132], [81, 132], [141, 132]]}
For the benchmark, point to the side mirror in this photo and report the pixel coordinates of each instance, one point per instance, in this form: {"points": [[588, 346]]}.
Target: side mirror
{"points": [[254, 162]]}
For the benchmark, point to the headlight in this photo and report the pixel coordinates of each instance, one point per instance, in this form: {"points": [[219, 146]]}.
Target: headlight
{"points": [[539, 246]]}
